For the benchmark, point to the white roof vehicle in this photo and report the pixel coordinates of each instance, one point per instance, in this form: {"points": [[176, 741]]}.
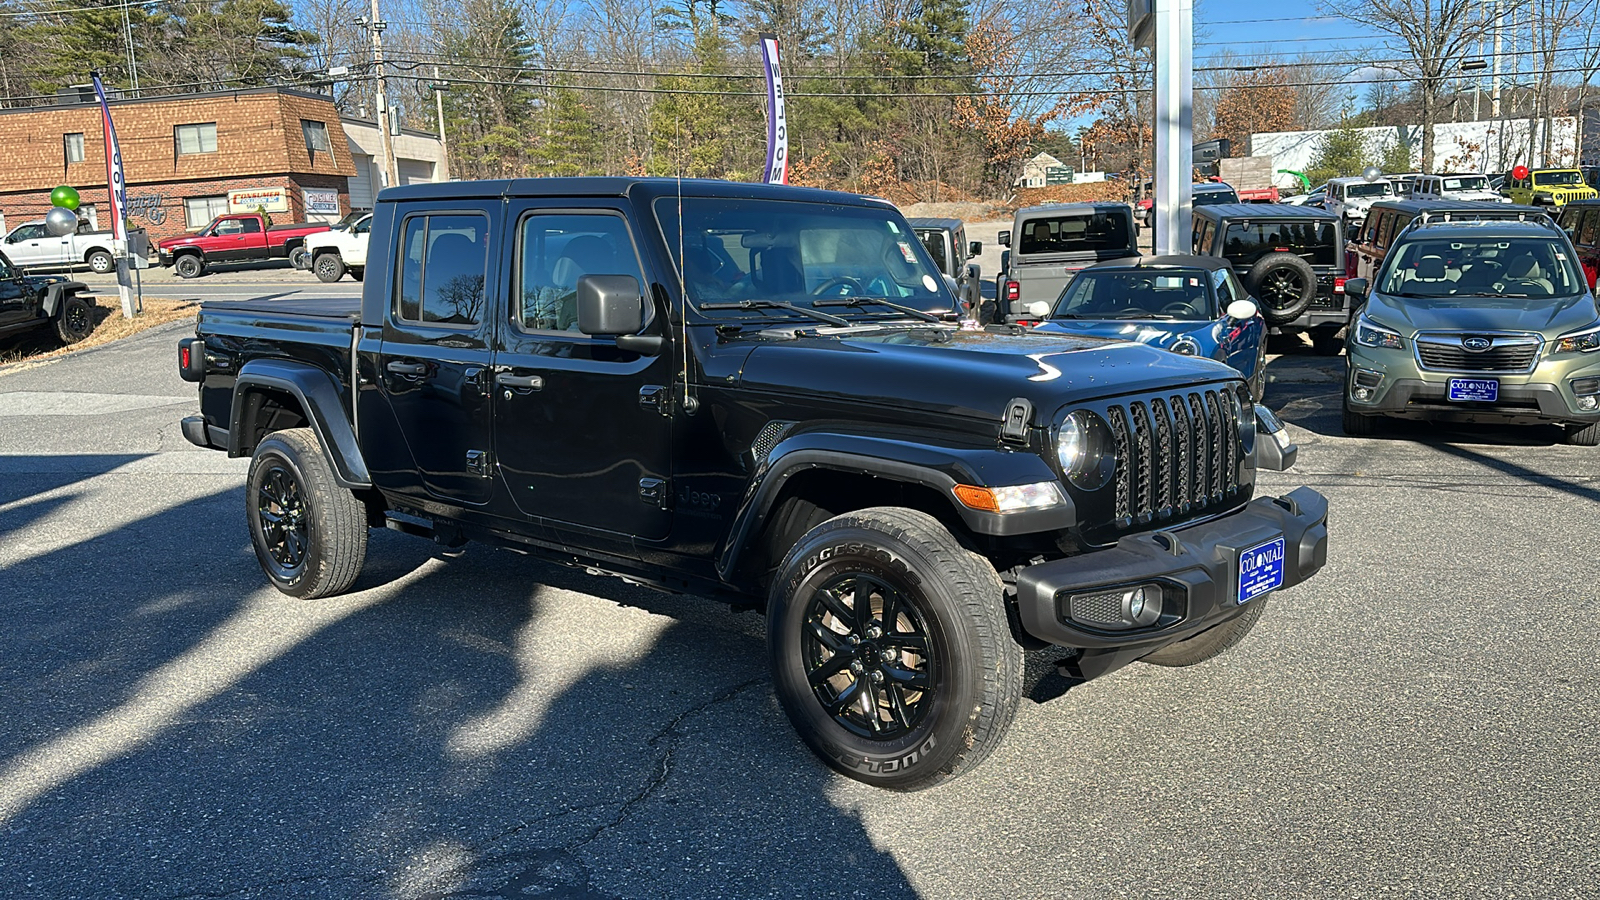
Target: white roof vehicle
{"points": [[1352, 197], [334, 253], [1462, 186]]}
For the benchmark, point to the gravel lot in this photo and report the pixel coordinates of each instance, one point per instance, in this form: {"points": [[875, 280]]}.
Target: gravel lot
{"points": [[1417, 721]]}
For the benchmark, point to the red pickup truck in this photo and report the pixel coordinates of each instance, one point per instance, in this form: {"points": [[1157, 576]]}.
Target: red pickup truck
{"points": [[244, 237]]}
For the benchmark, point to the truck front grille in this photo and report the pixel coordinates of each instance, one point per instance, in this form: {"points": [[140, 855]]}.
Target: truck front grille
{"points": [[1174, 453], [1507, 353]]}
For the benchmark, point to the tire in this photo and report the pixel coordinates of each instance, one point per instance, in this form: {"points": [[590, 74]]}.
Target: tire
{"points": [[1355, 424], [189, 266], [300, 257], [1211, 642], [1326, 342], [75, 319], [935, 714], [328, 267], [1284, 284], [309, 534], [100, 262], [358, 272], [1583, 435]]}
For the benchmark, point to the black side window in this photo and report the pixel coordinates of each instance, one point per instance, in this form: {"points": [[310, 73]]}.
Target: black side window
{"points": [[442, 266]]}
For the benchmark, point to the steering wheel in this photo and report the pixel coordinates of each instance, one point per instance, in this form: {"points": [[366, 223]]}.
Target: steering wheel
{"points": [[1176, 308], [850, 285], [1132, 312]]}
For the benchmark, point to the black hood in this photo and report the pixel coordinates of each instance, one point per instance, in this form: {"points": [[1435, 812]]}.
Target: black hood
{"points": [[970, 373]]}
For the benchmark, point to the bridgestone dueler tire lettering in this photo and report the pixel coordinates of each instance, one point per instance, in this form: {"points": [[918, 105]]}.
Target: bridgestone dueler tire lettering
{"points": [[958, 596], [335, 521], [1212, 641]]}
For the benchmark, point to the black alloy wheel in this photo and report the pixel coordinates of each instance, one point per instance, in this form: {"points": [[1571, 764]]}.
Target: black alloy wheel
{"points": [[281, 514], [1281, 287], [866, 652], [75, 320]]}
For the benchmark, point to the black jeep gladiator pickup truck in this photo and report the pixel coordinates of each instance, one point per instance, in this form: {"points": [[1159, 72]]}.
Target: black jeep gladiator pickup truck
{"points": [[750, 391]]}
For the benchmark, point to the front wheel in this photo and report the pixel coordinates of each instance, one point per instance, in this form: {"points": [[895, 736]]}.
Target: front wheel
{"points": [[75, 319], [309, 534], [1583, 435], [189, 266], [1211, 642], [328, 266], [890, 649]]}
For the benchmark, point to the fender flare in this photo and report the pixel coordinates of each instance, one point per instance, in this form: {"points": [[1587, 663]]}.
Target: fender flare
{"points": [[893, 459], [319, 397], [55, 293]]}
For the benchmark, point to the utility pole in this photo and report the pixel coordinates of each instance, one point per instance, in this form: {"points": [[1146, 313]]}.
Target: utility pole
{"points": [[1494, 82], [391, 175], [439, 87]]}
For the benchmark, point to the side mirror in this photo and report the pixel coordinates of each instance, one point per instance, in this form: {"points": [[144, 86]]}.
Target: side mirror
{"points": [[1004, 238], [975, 247], [1038, 309], [612, 306], [1353, 233], [1355, 288], [1242, 310]]}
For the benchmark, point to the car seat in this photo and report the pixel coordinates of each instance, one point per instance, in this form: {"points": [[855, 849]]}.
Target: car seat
{"points": [[583, 255], [1524, 273], [1429, 276]]}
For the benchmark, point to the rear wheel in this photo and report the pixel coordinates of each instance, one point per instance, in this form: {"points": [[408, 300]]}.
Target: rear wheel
{"points": [[309, 534], [328, 266], [1584, 435], [300, 257], [358, 272], [75, 319], [890, 649], [100, 262]]}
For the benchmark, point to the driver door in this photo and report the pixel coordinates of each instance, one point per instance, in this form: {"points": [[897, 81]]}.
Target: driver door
{"points": [[14, 296]]}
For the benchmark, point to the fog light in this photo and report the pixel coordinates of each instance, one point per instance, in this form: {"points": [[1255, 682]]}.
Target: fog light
{"points": [[1586, 386], [1588, 403], [1118, 608], [1363, 393]]}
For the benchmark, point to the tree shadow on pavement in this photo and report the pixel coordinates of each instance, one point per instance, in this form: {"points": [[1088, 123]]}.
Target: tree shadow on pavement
{"points": [[465, 727]]}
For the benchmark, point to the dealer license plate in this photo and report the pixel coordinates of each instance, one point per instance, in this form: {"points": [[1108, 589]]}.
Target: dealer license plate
{"points": [[1260, 570], [1475, 390]]}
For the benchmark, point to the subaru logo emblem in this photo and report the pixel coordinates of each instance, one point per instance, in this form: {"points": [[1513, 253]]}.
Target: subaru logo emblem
{"points": [[1476, 344]]}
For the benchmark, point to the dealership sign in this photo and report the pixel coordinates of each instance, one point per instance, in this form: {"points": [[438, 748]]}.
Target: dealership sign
{"points": [[251, 199], [321, 201]]}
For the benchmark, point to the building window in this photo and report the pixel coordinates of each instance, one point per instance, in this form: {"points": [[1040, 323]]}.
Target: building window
{"points": [[316, 137], [199, 211], [200, 138], [73, 145]]}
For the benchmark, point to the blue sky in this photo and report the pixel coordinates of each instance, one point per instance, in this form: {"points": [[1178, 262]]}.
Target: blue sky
{"points": [[1291, 28]]}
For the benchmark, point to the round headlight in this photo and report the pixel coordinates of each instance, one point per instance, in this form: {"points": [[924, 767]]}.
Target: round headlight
{"points": [[1185, 346], [1071, 444]]}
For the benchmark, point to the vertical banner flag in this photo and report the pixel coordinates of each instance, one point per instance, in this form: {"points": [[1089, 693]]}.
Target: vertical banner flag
{"points": [[777, 128], [118, 188]]}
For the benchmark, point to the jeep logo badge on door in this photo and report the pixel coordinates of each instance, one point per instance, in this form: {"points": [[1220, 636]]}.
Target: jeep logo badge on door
{"points": [[1476, 344]]}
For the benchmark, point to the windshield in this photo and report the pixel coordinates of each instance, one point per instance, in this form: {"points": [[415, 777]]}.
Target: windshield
{"points": [[1075, 233], [1557, 178], [764, 250], [1136, 294], [1467, 183], [1369, 189], [1247, 242], [1210, 198], [1482, 267]]}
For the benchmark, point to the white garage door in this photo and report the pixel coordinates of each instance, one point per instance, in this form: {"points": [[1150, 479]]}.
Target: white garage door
{"points": [[415, 171]]}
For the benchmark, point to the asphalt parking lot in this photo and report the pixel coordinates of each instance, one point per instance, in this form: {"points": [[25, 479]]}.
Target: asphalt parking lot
{"points": [[1417, 721]]}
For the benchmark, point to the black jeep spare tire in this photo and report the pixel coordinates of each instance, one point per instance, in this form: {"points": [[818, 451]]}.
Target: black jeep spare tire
{"points": [[309, 534], [890, 649], [1284, 284]]}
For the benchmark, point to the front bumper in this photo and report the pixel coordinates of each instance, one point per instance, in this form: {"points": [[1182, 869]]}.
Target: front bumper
{"points": [[1404, 390], [1197, 568]]}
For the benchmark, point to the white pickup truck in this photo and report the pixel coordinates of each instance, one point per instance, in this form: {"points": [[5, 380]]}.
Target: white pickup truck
{"points": [[335, 252], [31, 246]]}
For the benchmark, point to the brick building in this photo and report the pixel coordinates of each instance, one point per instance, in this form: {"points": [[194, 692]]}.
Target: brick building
{"points": [[186, 159]]}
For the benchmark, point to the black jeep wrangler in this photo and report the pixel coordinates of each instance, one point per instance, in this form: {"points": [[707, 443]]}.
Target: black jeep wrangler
{"points": [[28, 302], [748, 391], [1291, 260]]}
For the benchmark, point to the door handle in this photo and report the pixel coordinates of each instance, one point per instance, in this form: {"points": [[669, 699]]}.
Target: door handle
{"points": [[399, 367], [521, 382]]}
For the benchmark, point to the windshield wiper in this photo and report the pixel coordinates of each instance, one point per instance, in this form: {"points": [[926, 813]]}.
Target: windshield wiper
{"points": [[780, 304], [881, 301]]}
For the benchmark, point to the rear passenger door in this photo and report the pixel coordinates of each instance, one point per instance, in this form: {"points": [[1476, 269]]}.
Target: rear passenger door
{"points": [[432, 366], [1586, 237]]}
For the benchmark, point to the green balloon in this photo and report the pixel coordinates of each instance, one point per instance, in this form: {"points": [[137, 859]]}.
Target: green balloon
{"points": [[65, 197]]}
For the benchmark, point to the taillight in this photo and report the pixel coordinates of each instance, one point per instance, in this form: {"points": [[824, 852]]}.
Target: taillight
{"points": [[192, 359], [1013, 291], [1338, 284], [183, 356]]}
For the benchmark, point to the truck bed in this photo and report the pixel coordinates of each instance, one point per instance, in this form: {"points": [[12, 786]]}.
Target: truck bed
{"points": [[321, 307]]}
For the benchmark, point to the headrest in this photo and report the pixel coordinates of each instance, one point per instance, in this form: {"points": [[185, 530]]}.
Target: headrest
{"points": [[1430, 268], [1523, 266]]}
